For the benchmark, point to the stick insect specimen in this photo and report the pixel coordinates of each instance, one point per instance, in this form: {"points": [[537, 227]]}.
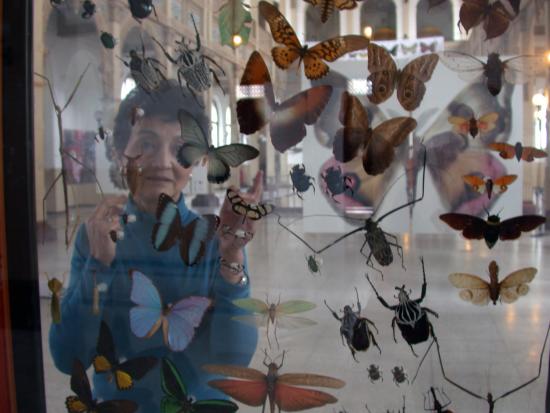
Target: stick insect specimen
{"points": [[432, 403], [63, 154], [410, 316], [378, 241], [489, 398], [266, 313]]}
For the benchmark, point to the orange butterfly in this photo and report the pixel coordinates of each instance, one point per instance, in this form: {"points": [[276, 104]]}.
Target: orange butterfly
{"points": [[473, 126], [520, 152], [281, 390], [287, 119], [489, 185], [328, 50], [327, 6]]}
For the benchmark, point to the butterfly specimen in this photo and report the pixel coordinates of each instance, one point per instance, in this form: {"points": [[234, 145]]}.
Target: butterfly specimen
{"points": [[409, 82], [473, 126], [177, 400], [428, 47], [83, 402], [494, 17], [493, 228], [409, 49], [327, 6], [250, 211], [489, 185], [520, 152], [266, 313], [292, 50], [255, 387], [192, 237], [478, 291], [106, 361], [219, 159], [515, 70], [234, 21], [376, 146], [56, 287], [178, 320], [286, 120]]}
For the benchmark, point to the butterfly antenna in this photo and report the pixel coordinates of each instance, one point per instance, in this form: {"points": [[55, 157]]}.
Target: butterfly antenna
{"points": [[414, 201]]}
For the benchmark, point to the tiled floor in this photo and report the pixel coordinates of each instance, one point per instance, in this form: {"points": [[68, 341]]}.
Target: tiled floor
{"points": [[493, 348]]}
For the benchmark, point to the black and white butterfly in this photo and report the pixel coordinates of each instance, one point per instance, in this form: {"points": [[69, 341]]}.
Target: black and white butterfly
{"points": [[197, 147]]}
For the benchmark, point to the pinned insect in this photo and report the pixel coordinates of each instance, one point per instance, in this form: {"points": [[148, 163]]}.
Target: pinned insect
{"points": [[400, 375], [314, 264], [107, 40], [250, 211], [301, 182], [102, 132], [266, 313], [146, 71], [493, 228], [336, 182], [489, 185], [410, 316], [88, 9], [489, 398], [56, 288], [193, 67], [141, 9], [494, 16], [326, 7], [281, 390], [520, 152], [478, 291], [240, 236], [234, 22], [432, 403], [355, 329], [473, 126], [375, 373]]}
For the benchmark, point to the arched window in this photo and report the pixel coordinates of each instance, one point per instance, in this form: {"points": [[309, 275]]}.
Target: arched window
{"points": [[127, 87], [227, 131], [215, 120], [436, 22], [380, 15], [317, 30]]}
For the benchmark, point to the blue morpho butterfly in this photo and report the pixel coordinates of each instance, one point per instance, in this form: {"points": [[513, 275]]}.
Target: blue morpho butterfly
{"points": [[178, 320], [192, 237]]}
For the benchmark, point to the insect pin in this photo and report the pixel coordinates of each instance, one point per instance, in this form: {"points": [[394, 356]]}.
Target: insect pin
{"points": [[411, 318], [192, 66], [432, 402], [400, 375], [314, 264], [336, 182], [88, 9], [355, 329], [301, 182], [375, 373], [56, 288]]}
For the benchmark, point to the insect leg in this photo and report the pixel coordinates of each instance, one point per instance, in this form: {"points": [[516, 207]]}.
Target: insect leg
{"points": [[371, 336], [358, 302], [193, 93], [397, 247], [170, 58], [217, 80], [334, 314], [431, 312], [414, 353], [267, 335], [180, 81], [215, 63], [353, 353], [393, 328], [275, 334], [424, 283], [423, 358], [381, 299], [372, 324]]}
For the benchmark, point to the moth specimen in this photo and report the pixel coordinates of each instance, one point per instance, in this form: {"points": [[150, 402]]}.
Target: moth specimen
{"points": [[518, 151], [473, 126], [489, 185], [247, 210]]}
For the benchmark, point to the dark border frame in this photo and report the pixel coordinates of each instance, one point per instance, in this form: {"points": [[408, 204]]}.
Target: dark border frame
{"points": [[18, 164]]}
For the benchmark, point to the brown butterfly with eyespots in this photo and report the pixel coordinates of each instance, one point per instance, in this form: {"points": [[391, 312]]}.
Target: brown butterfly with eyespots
{"points": [[410, 81], [518, 151], [376, 146], [327, 6], [494, 16], [293, 50], [287, 119]]}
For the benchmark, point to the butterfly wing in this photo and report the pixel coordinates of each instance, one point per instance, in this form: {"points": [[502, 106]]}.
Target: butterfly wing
{"points": [[471, 13], [513, 227], [293, 399], [520, 69], [183, 318], [497, 21], [505, 150], [356, 131], [194, 237], [471, 226], [133, 369], [295, 306], [171, 382], [382, 75], [461, 124], [290, 117], [293, 322], [116, 406], [411, 87], [252, 304], [222, 157], [80, 385], [106, 356], [251, 393], [195, 144], [515, 284], [473, 288], [306, 379], [467, 66], [477, 183], [234, 371], [487, 122], [167, 229], [145, 319], [501, 183], [529, 154]]}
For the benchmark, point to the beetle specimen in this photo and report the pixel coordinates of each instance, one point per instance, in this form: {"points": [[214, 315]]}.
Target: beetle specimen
{"points": [[281, 389], [432, 403], [193, 67], [378, 241], [489, 398], [410, 317], [89, 9], [301, 182], [56, 287], [399, 375], [145, 70], [141, 9], [355, 329], [336, 182], [107, 40], [375, 373], [314, 264]]}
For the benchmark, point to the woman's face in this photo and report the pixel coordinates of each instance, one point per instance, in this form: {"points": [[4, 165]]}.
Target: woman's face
{"points": [[157, 141]]}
